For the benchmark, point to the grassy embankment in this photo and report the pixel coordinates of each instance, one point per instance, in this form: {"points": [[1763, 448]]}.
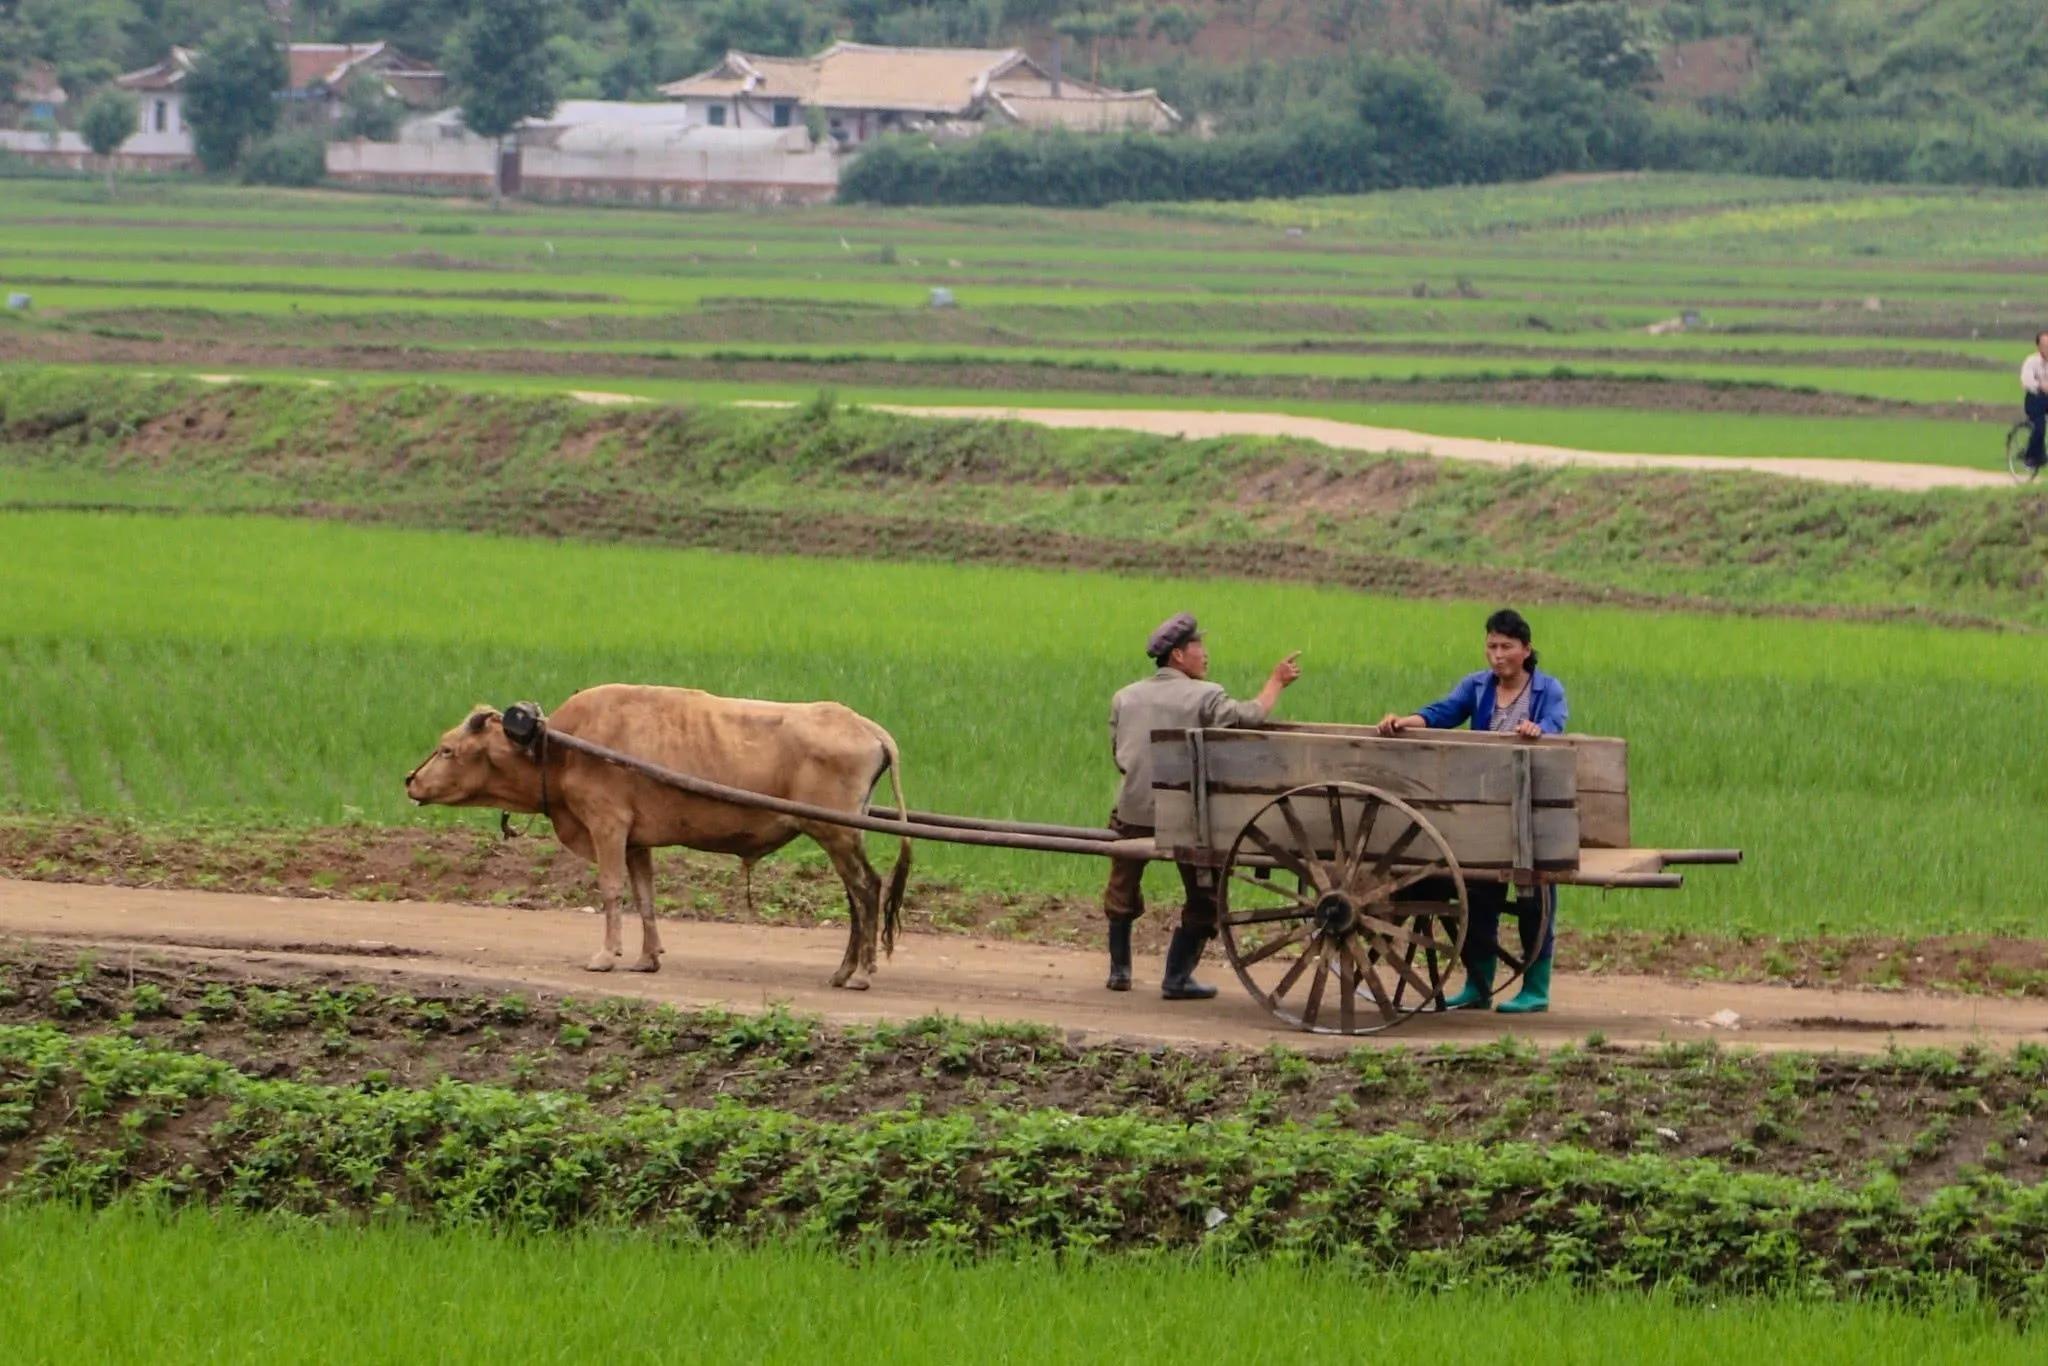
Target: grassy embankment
{"points": [[867, 483]]}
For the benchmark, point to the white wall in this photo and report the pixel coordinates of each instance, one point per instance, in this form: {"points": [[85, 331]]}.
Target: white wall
{"points": [[174, 138], [747, 113], [705, 169], [174, 141]]}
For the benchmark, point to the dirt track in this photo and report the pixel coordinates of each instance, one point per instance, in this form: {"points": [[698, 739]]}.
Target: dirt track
{"points": [[1351, 436], [750, 966]]}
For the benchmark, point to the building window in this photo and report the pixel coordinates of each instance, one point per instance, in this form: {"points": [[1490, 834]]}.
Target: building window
{"points": [[782, 115], [718, 116], [163, 116]]}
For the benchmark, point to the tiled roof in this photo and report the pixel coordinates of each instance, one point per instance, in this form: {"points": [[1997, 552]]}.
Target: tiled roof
{"points": [[168, 74], [308, 65], [860, 76]]}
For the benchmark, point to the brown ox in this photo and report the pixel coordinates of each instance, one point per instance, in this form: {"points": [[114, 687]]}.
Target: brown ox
{"points": [[815, 752]]}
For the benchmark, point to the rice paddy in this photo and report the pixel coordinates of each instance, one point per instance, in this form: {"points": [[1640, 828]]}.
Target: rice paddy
{"points": [[272, 672], [131, 1286], [1894, 296]]}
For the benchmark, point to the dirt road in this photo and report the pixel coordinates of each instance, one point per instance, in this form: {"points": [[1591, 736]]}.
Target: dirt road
{"points": [[1350, 436], [748, 967]]}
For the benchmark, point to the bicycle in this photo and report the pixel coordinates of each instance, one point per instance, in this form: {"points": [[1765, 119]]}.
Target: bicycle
{"points": [[2016, 441]]}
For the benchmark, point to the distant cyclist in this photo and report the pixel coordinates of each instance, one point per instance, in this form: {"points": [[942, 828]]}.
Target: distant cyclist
{"points": [[2034, 379]]}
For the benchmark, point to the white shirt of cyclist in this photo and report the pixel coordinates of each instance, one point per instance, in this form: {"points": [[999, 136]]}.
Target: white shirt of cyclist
{"points": [[2034, 375]]}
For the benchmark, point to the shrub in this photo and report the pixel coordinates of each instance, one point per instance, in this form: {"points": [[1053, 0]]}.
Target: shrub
{"points": [[297, 158]]}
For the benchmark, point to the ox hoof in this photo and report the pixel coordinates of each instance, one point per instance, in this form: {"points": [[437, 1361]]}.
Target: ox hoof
{"points": [[604, 962], [857, 982], [646, 962]]}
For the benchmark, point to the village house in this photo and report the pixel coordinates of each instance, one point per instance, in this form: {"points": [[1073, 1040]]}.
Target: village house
{"points": [[319, 76], [860, 91], [39, 97]]}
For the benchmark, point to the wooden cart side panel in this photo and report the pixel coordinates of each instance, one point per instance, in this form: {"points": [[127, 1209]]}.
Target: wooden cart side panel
{"points": [[1482, 834], [1412, 769], [1604, 819]]}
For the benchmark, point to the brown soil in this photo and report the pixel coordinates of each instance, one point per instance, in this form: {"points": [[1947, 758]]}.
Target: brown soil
{"points": [[380, 864], [986, 371], [1923, 1120]]}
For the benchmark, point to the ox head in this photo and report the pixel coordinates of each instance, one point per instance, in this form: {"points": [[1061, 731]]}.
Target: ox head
{"points": [[476, 764]]}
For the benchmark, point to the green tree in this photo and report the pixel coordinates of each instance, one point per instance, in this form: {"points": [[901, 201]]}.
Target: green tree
{"points": [[1600, 40], [231, 95], [643, 63], [1175, 24], [501, 61], [1086, 28], [81, 38], [13, 52], [108, 121], [773, 28], [368, 112]]}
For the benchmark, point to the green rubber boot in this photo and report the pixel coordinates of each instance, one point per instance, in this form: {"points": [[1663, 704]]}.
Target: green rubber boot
{"points": [[1534, 997], [1478, 988]]}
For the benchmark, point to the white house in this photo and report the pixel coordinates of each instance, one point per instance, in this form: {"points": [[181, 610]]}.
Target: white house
{"points": [[861, 91], [317, 76], [161, 140], [159, 90]]}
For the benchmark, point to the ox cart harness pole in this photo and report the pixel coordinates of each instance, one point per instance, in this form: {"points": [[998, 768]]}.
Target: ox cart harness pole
{"points": [[1341, 858]]}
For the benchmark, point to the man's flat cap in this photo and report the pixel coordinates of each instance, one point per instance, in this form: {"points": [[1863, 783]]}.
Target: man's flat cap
{"points": [[1176, 631]]}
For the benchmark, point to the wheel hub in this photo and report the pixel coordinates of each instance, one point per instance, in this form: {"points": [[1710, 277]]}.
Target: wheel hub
{"points": [[1335, 914]]}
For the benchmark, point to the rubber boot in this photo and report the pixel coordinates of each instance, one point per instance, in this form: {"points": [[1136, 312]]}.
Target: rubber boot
{"points": [[1119, 955], [1183, 951], [1478, 988], [1534, 997]]}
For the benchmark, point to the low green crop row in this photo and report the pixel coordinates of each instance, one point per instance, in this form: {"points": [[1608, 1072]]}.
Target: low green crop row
{"points": [[103, 1116]]}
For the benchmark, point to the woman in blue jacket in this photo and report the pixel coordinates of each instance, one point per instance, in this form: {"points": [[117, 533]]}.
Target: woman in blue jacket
{"points": [[1510, 696]]}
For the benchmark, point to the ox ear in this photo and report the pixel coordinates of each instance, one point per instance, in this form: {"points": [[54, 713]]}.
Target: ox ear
{"points": [[478, 720]]}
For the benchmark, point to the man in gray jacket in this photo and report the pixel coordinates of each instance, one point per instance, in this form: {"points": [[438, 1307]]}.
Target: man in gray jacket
{"points": [[1177, 697]]}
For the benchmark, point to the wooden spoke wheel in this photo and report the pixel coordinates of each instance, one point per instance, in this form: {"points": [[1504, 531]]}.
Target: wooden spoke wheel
{"points": [[1316, 904]]}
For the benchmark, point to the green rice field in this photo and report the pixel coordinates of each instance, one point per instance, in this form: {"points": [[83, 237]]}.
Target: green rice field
{"points": [[132, 1286], [1814, 295], [1880, 777]]}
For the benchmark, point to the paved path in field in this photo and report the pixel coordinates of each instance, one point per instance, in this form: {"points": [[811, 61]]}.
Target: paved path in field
{"points": [[1351, 436], [749, 966]]}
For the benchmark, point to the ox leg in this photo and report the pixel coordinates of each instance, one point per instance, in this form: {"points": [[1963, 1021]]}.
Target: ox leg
{"points": [[611, 882], [863, 904], [640, 867]]}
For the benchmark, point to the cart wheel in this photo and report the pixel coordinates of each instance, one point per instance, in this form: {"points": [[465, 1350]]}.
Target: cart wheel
{"points": [[1341, 952]]}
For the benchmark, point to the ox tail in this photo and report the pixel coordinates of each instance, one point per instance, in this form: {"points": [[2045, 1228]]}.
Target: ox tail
{"points": [[899, 877]]}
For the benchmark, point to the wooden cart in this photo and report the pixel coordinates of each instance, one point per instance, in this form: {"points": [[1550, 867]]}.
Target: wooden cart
{"points": [[1344, 861], [1341, 861]]}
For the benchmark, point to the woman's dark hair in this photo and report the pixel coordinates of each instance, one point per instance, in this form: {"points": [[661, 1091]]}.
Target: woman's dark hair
{"points": [[1512, 624]]}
